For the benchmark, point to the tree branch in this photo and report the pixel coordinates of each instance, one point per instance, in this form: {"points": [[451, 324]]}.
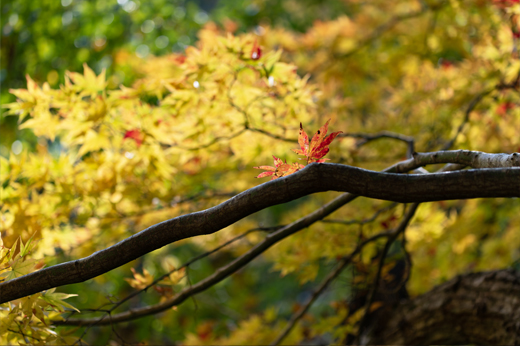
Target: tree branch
{"points": [[365, 138], [498, 182], [400, 229], [222, 272], [333, 275]]}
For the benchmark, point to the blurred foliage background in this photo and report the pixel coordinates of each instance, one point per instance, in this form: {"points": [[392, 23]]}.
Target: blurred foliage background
{"points": [[417, 82], [45, 38]]}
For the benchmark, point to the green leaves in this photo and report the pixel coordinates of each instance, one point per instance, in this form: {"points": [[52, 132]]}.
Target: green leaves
{"points": [[17, 264], [55, 299]]}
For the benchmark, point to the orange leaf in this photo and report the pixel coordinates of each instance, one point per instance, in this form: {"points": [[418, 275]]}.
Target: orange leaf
{"points": [[281, 169]]}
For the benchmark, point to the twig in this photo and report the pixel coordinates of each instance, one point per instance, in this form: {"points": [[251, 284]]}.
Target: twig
{"points": [[333, 275], [471, 106], [400, 228], [213, 141], [185, 265], [383, 134], [364, 221], [290, 140]]}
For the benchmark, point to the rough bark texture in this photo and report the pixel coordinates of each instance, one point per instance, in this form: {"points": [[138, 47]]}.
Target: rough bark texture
{"points": [[475, 183], [477, 308]]}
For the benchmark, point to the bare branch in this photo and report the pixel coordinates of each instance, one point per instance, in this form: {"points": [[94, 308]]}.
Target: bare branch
{"points": [[272, 135], [213, 141], [191, 261], [473, 103], [364, 221], [474, 159], [365, 138]]}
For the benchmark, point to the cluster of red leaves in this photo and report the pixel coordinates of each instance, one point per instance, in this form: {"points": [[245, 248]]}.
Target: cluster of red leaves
{"points": [[136, 135], [314, 151], [504, 107]]}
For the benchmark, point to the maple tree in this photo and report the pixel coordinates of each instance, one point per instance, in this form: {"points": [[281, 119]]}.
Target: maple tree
{"points": [[136, 215]]}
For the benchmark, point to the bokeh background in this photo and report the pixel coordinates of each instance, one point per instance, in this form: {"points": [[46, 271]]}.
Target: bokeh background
{"points": [[45, 38]]}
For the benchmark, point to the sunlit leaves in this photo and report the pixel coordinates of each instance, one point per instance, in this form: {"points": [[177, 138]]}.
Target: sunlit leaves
{"points": [[31, 314], [55, 300], [140, 281]]}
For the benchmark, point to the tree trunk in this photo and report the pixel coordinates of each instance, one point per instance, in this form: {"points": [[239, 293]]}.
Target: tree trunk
{"points": [[476, 308]]}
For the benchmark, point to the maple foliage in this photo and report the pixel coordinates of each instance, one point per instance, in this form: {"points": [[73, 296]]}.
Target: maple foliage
{"points": [[280, 169], [314, 152], [107, 161], [319, 146]]}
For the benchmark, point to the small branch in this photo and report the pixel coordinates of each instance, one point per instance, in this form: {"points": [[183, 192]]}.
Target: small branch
{"points": [[364, 221], [333, 275], [400, 229], [474, 159], [185, 265], [213, 141], [290, 140], [384, 134], [174, 202], [473, 103]]}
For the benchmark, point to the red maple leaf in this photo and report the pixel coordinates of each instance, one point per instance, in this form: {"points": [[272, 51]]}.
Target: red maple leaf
{"points": [[256, 52], [504, 107], [136, 135], [319, 145]]}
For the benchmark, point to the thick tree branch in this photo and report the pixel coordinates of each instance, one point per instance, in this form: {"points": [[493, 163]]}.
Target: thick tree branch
{"points": [[498, 182], [476, 308]]}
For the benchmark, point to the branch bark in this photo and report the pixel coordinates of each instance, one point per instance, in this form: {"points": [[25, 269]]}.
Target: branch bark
{"points": [[477, 308], [496, 182]]}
